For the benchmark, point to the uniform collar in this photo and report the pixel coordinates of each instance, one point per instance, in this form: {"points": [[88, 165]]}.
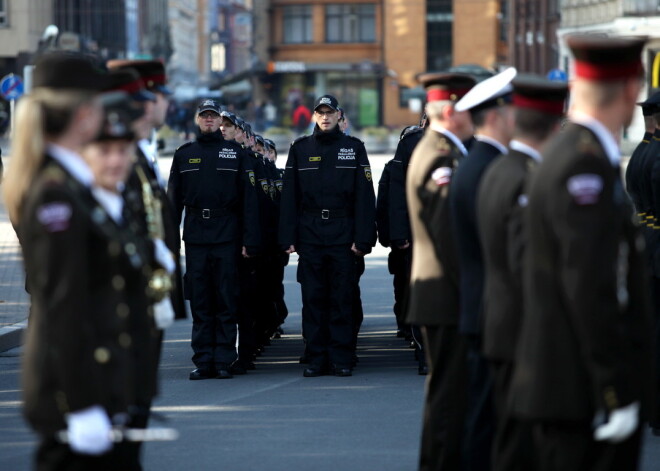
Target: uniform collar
{"points": [[493, 142], [602, 134], [451, 136], [525, 149], [147, 149], [73, 163]]}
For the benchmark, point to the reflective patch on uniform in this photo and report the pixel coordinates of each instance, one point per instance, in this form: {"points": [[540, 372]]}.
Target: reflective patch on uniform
{"points": [[585, 188], [523, 201], [253, 180], [442, 176], [55, 217], [315, 159], [194, 161], [367, 173]]}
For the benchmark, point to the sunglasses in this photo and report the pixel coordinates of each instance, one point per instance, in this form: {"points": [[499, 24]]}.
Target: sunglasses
{"points": [[325, 113], [209, 114]]}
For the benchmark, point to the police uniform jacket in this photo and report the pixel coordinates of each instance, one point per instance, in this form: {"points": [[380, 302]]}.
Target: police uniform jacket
{"points": [[399, 221], [89, 338], [633, 175], [328, 195], [501, 201], [434, 275], [585, 345], [463, 203], [216, 185]]}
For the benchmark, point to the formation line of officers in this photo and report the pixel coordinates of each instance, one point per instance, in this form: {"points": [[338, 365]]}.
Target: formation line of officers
{"points": [[529, 278], [526, 271]]}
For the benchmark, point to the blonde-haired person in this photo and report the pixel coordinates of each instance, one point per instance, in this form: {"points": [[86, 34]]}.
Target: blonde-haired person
{"points": [[74, 367]]}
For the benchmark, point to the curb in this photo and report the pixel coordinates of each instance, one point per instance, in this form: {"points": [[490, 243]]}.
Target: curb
{"points": [[12, 336]]}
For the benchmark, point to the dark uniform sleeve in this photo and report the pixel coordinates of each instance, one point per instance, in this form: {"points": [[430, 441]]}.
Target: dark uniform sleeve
{"points": [[398, 209], [174, 189], [594, 265], [515, 238], [289, 202], [61, 246], [365, 204], [251, 223]]}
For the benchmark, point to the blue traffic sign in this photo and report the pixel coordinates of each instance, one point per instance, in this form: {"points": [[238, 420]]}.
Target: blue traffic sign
{"points": [[11, 87], [557, 75]]}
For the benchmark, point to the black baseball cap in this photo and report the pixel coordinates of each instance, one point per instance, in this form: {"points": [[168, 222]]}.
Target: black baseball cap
{"points": [[208, 105], [230, 116], [326, 100]]}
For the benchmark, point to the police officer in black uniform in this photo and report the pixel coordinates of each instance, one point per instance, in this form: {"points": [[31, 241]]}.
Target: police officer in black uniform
{"points": [[328, 217], [216, 187]]}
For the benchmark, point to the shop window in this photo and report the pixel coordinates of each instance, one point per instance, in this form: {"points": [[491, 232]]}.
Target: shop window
{"points": [[297, 24], [350, 23]]}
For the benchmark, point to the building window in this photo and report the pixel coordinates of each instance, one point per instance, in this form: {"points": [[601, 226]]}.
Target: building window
{"points": [[4, 14], [439, 19], [350, 23], [297, 24]]}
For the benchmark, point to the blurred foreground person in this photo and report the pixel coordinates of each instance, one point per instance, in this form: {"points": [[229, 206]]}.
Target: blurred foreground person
{"points": [[539, 107], [80, 372], [583, 366], [433, 305]]}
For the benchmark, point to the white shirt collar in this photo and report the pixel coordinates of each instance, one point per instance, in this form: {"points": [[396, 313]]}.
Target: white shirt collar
{"points": [[110, 201], [493, 142], [437, 128], [72, 163], [605, 137], [147, 149], [525, 149]]}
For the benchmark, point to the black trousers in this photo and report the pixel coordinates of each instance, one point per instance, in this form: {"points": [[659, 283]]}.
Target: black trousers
{"points": [[358, 312], [54, 456], [399, 263], [445, 399], [513, 445], [247, 308], [569, 446], [327, 279], [212, 278], [480, 418]]}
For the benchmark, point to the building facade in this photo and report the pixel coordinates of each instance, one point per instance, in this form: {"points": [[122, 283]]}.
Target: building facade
{"points": [[530, 27]]}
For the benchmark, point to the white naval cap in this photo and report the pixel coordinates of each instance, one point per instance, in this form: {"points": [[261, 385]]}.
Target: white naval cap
{"points": [[494, 91]]}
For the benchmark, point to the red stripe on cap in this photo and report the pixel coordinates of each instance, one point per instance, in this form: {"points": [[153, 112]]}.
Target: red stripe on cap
{"points": [[439, 94], [616, 71], [159, 79], [132, 87], [552, 107]]}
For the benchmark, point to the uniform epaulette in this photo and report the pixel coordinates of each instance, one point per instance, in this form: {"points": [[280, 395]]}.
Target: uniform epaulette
{"points": [[410, 131], [185, 144], [54, 173], [299, 138], [356, 139]]}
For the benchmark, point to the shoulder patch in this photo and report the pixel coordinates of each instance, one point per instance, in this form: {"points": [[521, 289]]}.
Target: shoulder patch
{"points": [[443, 146], [251, 177], [585, 188], [185, 144], [55, 217], [367, 173]]}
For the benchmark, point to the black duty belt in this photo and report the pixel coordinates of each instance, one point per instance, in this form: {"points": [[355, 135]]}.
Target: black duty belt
{"points": [[205, 213], [328, 213]]}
